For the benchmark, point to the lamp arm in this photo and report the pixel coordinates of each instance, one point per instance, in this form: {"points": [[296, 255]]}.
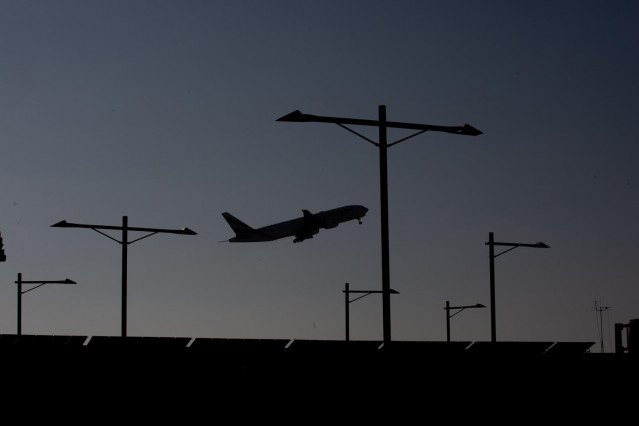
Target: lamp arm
{"points": [[407, 137], [148, 235], [108, 236], [505, 251], [375, 143], [450, 316], [33, 288], [357, 298], [355, 133]]}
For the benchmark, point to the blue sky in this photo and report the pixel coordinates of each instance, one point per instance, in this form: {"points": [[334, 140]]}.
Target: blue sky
{"points": [[165, 112]]}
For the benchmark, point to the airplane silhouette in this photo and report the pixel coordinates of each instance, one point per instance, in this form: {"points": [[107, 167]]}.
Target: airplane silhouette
{"points": [[302, 228]]}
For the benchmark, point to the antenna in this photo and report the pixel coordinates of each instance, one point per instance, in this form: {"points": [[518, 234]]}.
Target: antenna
{"points": [[600, 309]]}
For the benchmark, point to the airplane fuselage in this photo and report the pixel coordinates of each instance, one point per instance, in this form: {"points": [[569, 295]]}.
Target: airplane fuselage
{"points": [[302, 228]]}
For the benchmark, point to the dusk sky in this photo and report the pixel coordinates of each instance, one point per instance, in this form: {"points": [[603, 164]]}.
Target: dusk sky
{"points": [[165, 112]]}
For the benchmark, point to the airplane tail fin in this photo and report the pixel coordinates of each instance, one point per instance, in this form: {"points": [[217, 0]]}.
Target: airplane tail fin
{"points": [[243, 232], [237, 225]]}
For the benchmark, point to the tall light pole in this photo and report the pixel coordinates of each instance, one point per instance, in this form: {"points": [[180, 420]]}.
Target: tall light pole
{"points": [[348, 301], [491, 243], [125, 228], [383, 145], [40, 284], [459, 309]]}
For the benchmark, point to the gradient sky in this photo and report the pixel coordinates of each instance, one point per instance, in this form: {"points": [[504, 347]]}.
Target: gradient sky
{"points": [[165, 112]]}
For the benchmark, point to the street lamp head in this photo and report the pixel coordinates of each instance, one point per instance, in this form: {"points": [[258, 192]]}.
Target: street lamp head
{"points": [[469, 131], [68, 281], [479, 305], [541, 245], [187, 231], [295, 116], [391, 291], [61, 224]]}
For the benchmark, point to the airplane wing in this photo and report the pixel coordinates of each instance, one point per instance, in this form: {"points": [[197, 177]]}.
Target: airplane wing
{"points": [[310, 226]]}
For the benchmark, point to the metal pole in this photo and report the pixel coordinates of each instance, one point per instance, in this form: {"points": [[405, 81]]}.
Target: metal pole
{"points": [[383, 181], [491, 246], [124, 268], [447, 321], [19, 303], [346, 303]]}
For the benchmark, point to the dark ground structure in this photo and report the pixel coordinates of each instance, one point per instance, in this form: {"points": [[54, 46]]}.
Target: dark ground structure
{"points": [[161, 378], [247, 359]]}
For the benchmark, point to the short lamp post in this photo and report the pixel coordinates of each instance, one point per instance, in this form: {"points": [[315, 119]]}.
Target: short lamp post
{"points": [[125, 228], [492, 243], [348, 301], [382, 124], [459, 309], [40, 283]]}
